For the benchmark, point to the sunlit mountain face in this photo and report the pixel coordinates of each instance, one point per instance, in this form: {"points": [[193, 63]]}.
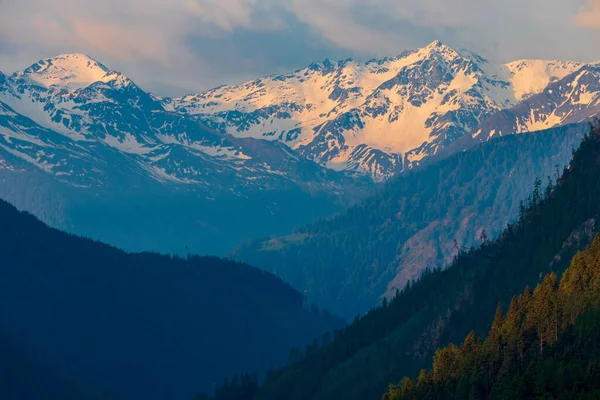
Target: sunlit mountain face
{"points": [[264, 156]]}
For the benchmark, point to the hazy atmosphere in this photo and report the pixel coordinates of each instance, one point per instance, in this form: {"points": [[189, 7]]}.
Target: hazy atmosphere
{"points": [[299, 199]]}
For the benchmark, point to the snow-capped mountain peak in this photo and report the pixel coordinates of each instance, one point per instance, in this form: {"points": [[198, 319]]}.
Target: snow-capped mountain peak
{"points": [[435, 44], [378, 117], [69, 71], [358, 115], [116, 79], [439, 48]]}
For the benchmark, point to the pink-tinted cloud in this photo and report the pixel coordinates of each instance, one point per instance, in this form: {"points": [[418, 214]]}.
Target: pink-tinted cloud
{"points": [[119, 41], [196, 44], [589, 15], [226, 14], [119, 29]]}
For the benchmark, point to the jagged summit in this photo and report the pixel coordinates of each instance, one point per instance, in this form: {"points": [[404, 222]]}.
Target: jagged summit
{"points": [[70, 71], [376, 117], [436, 44], [439, 47], [380, 116]]}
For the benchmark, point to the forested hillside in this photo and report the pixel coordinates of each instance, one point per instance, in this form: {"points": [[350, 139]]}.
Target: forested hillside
{"points": [[23, 377], [140, 325], [546, 346], [400, 337], [418, 221]]}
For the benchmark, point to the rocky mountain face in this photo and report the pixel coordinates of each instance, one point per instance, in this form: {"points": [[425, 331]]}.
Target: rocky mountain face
{"points": [[381, 117], [102, 143], [65, 114], [573, 99], [262, 157]]}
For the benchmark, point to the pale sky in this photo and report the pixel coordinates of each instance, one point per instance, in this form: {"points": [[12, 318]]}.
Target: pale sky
{"points": [[172, 47]]}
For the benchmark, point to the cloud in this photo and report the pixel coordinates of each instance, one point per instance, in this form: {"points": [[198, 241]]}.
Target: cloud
{"points": [[336, 21], [589, 15], [515, 28], [135, 36], [198, 44], [119, 41], [226, 14], [193, 44]]}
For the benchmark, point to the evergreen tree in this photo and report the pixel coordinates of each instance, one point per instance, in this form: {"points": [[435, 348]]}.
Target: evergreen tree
{"points": [[445, 305], [566, 365]]}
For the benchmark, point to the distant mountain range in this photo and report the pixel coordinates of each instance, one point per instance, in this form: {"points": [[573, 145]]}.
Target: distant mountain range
{"points": [[262, 157], [76, 119], [89, 151], [381, 117], [377, 117]]}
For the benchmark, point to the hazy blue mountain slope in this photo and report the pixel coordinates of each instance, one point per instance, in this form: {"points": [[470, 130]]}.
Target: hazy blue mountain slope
{"points": [[420, 220]]}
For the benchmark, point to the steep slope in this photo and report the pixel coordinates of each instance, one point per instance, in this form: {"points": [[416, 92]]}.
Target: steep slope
{"points": [[380, 116], [347, 262], [142, 325], [400, 337], [547, 345], [81, 109], [573, 99]]}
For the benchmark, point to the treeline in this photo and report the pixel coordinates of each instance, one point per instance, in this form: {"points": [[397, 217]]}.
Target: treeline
{"points": [[399, 337], [547, 346]]}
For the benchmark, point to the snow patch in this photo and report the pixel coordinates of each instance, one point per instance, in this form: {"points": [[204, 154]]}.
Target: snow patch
{"points": [[71, 71], [530, 77]]}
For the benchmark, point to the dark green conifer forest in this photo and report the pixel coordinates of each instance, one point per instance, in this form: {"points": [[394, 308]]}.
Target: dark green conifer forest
{"points": [[400, 337], [546, 346]]}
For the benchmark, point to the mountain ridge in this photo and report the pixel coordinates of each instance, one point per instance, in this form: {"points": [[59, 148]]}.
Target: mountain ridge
{"points": [[322, 137], [336, 128], [378, 117]]}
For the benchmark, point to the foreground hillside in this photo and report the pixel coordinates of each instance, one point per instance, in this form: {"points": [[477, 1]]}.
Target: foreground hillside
{"points": [[546, 346], [418, 221], [400, 337], [141, 325]]}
